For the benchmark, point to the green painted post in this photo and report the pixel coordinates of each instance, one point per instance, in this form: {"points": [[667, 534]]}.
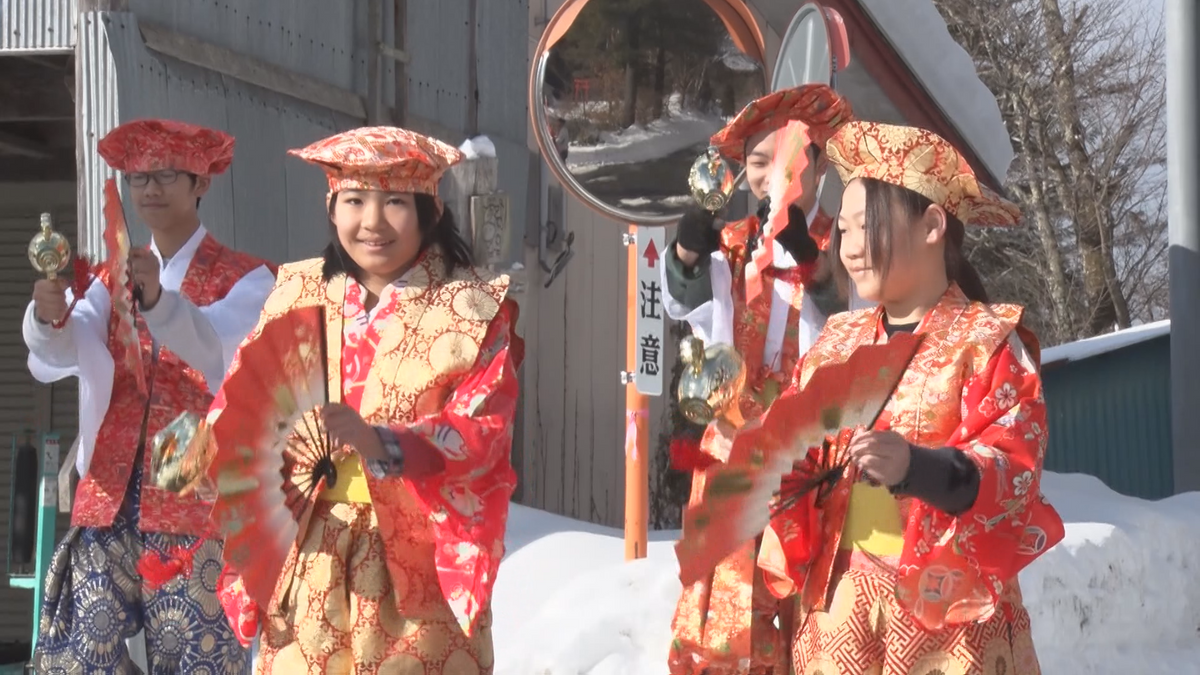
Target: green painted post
{"points": [[47, 519]]}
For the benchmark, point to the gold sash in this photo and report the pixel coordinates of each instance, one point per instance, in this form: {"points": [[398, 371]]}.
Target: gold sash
{"points": [[351, 483]]}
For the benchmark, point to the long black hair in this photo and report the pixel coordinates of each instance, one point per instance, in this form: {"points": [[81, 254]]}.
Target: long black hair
{"points": [[440, 230], [886, 201]]}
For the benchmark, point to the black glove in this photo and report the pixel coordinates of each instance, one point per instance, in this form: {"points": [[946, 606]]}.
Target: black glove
{"points": [[794, 237], [823, 292], [696, 232]]}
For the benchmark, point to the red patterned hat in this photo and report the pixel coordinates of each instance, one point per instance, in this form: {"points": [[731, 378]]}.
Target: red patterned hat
{"points": [[382, 158], [153, 145], [817, 105], [923, 162]]}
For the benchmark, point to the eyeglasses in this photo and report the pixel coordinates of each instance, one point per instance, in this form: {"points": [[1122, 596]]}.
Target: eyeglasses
{"points": [[163, 177]]}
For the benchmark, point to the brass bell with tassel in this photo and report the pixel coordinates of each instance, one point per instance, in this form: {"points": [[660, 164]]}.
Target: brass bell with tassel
{"points": [[49, 251], [712, 381]]}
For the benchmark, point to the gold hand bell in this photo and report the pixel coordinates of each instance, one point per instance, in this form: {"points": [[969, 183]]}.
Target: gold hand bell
{"points": [[711, 383], [712, 180], [49, 251]]}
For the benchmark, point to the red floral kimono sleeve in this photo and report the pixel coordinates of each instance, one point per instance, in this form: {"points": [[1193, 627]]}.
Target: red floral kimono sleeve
{"points": [[954, 569], [457, 462]]}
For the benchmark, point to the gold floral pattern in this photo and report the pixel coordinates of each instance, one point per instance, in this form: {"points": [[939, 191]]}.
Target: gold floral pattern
{"points": [[848, 643]]}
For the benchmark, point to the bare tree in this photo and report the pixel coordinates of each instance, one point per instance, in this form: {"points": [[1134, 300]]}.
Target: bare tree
{"points": [[1081, 87]]}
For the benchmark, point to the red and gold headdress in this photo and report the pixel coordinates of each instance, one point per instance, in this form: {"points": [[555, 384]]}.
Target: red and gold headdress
{"points": [[818, 106], [154, 145], [382, 158], [923, 162]]}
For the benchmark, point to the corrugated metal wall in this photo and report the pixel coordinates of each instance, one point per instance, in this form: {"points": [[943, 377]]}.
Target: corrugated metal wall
{"points": [[324, 40], [23, 402], [278, 214], [1110, 416], [267, 204], [37, 25]]}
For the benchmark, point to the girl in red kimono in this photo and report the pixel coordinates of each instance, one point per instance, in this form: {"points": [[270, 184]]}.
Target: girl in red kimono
{"points": [[394, 571], [911, 566]]}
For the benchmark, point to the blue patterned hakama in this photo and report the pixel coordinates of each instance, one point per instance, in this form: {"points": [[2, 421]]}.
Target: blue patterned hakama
{"points": [[95, 600]]}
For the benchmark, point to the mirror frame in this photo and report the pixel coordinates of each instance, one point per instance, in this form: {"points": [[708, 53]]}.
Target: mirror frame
{"points": [[742, 28]]}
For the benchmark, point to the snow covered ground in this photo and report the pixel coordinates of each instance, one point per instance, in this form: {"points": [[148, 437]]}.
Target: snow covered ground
{"points": [[1121, 595]]}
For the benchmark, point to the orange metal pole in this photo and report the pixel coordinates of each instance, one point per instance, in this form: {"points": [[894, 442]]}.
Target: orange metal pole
{"points": [[637, 414]]}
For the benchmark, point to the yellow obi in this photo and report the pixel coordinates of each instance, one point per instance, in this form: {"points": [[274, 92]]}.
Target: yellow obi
{"points": [[873, 522], [351, 482]]}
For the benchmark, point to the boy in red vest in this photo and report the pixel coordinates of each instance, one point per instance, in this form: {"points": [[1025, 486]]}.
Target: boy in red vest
{"points": [[138, 557], [725, 625]]}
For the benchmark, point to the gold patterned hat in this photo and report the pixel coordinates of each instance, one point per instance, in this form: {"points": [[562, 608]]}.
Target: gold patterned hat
{"points": [[923, 162], [389, 159]]}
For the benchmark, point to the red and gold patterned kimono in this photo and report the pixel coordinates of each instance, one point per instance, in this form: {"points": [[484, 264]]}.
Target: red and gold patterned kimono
{"points": [[928, 594], [726, 624], [394, 575]]}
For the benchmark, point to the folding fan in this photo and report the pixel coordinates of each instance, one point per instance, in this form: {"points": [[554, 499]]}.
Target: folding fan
{"points": [[791, 159], [270, 453], [739, 495], [116, 240]]}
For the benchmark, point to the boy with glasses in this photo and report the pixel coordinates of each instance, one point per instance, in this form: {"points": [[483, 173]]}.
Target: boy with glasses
{"points": [[139, 557]]}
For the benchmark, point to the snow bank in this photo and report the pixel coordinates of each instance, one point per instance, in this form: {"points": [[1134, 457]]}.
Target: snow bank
{"points": [[1121, 592], [1119, 595], [566, 602]]}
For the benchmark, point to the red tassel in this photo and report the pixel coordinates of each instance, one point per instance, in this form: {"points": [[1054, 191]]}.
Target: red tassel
{"points": [[807, 270], [81, 279], [686, 455], [157, 570]]}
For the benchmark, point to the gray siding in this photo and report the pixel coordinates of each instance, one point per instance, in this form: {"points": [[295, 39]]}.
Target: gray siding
{"points": [[1110, 416], [438, 35], [25, 403], [37, 25], [267, 204]]}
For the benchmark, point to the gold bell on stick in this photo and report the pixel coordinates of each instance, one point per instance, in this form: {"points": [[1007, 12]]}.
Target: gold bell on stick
{"points": [[49, 251], [712, 181]]}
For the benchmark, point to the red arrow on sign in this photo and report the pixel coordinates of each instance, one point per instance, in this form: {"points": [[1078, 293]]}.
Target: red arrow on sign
{"points": [[651, 254]]}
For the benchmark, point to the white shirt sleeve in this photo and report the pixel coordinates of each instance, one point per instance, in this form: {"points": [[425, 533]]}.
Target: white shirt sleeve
{"points": [[712, 321], [207, 337], [80, 348], [56, 353]]}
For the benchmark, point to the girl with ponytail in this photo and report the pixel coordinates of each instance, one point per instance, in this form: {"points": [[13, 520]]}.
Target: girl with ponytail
{"points": [[908, 565]]}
